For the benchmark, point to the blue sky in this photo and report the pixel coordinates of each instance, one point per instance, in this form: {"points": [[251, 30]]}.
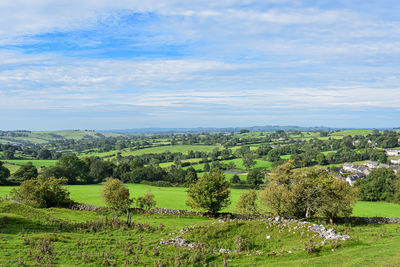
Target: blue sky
{"points": [[75, 64]]}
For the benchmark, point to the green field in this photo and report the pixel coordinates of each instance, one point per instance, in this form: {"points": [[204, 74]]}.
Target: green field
{"points": [[260, 164], [166, 197], [35, 162], [352, 132], [175, 198], [154, 150], [376, 209], [11, 167]]}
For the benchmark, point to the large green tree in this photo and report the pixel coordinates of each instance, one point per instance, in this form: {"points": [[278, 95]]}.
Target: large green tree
{"points": [[4, 173], [255, 177], [116, 195], [378, 185], [306, 192], [70, 167], [44, 154], [249, 159], [26, 172], [211, 192]]}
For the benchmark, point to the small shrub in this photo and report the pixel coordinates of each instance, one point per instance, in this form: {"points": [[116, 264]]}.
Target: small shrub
{"points": [[242, 244], [43, 252], [146, 201], [235, 179], [247, 203], [311, 247]]}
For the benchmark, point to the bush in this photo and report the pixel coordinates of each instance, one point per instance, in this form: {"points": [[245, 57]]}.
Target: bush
{"points": [[116, 195], [247, 203], [42, 192], [146, 201], [235, 179]]}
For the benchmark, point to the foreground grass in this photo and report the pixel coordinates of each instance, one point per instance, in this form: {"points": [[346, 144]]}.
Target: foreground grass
{"points": [[36, 237], [175, 198]]}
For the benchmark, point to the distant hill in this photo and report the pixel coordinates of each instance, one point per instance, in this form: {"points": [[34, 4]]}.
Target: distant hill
{"points": [[267, 128], [40, 137]]}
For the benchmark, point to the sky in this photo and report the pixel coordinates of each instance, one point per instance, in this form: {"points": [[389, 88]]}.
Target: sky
{"points": [[121, 64]]}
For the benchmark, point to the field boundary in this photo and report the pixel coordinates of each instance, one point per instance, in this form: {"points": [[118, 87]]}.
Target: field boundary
{"points": [[165, 211]]}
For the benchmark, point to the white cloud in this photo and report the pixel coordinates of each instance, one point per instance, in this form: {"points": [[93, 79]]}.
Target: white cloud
{"points": [[252, 57]]}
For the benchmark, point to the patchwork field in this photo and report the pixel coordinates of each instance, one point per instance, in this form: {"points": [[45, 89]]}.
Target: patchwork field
{"points": [[351, 132], [154, 150], [41, 137]]}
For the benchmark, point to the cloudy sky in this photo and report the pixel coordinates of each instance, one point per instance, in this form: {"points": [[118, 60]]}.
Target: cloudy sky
{"points": [[100, 64]]}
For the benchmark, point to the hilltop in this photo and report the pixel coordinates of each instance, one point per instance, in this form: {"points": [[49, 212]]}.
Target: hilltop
{"points": [[41, 137]]}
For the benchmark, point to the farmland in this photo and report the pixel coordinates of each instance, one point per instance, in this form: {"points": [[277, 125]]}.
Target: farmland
{"points": [[36, 163], [42, 137], [145, 162], [175, 198]]}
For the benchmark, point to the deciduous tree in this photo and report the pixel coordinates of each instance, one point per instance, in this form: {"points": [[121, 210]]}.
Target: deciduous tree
{"points": [[211, 192], [116, 195]]}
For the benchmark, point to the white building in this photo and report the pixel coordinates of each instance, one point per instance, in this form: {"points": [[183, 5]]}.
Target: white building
{"points": [[395, 161], [392, 152], [371, 164]]}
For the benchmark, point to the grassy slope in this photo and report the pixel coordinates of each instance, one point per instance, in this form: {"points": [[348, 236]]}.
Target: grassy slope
{"points": [[12, 168], [371, 245], [41, 137]]}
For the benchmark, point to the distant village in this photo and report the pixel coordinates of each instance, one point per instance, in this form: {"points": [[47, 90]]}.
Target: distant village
{"points": [[352, 172]]}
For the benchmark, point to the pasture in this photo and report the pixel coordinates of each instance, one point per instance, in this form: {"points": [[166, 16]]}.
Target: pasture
{"points": [[175, 198], [11, 167], [154, 150], [42, 137], [38, 237], [35, 162], [351, 132]]}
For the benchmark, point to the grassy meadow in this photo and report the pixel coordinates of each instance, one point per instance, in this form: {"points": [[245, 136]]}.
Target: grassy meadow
{"points": [[35, 162], [61, 237], [42, 137], [175, 198], [351, 132], [154, 150]]}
